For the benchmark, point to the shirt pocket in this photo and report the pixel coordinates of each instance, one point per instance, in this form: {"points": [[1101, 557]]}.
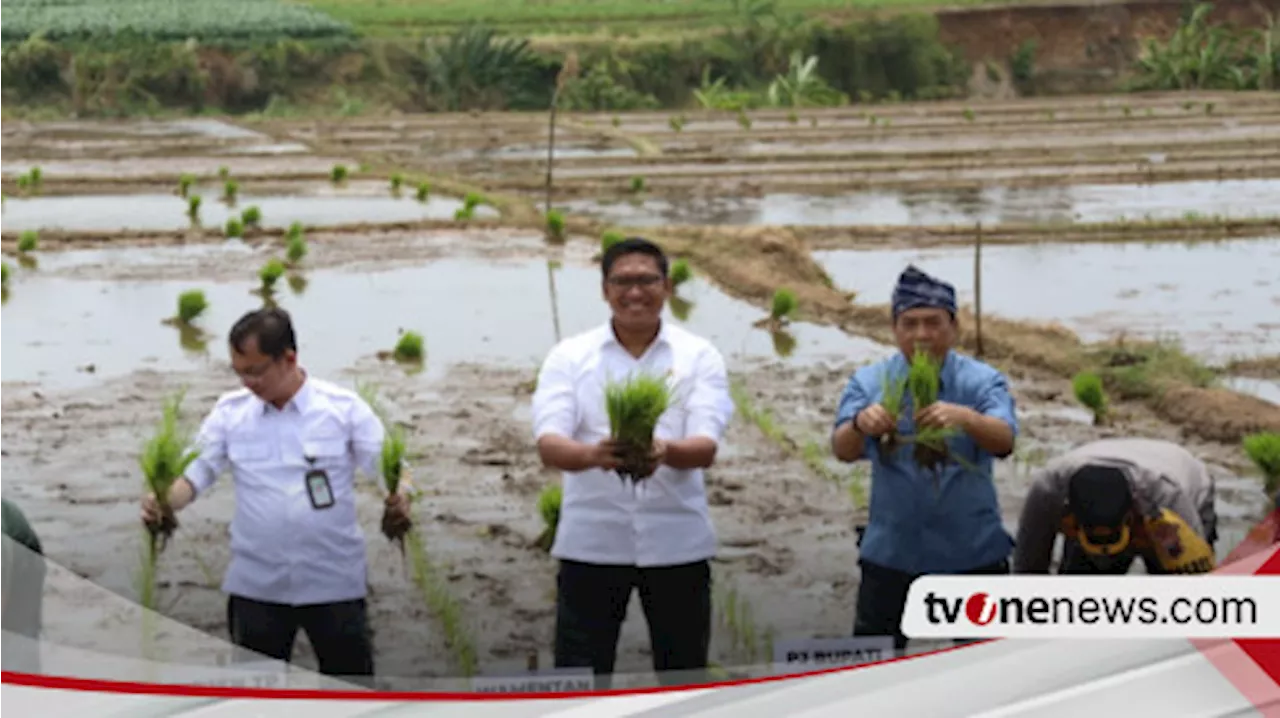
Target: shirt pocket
{"points": [[249, 452], [330, 454]]}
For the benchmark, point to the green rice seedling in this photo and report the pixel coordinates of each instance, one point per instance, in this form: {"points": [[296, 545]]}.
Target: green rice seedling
{"points": [[28, 241], [397, 180], [792, 117], [224, 172], [191, 304], [743, 120], [295, 231], [676, 123], [410, 347], [1128, 112], [424, 191], [464, 214], [634, 406], [165, 456], [24, 183], [555, 225], [894, 394], [637, 184], [549, 500], [4, 275], [1208, 108], [392, 463], [473, 200], [1089, 391], [680, 272], [184, 184], [230, 189], [924, 378], [1263, 450], [338, 174], [783, 306], [610, 238], [37, 177], [270, 273], [969, 115], [193, 206], [617, 121], [234, 228], [296, 249], [251, 216]]}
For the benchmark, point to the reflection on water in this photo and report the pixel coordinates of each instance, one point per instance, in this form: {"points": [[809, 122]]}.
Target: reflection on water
{"points": [[1265, 389], [990, 205], [466, 310], [1222, 299]]}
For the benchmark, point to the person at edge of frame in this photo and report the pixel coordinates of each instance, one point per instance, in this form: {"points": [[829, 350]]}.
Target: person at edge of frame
{"points": [[292, 442], [1114, 500], [656, 535], [944, 520], [23, 601]]}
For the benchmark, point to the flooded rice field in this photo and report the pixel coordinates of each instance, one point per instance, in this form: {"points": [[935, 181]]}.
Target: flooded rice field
{"points": [[88, 358], [1221, 300]]}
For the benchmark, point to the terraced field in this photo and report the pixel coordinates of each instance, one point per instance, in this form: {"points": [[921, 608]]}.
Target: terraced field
{"points": [[1107, 222]]}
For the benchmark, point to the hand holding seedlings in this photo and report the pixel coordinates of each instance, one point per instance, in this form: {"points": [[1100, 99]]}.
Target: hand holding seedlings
{"points": [[874, 421], [396, 518], [941, 415], [604, 455]]}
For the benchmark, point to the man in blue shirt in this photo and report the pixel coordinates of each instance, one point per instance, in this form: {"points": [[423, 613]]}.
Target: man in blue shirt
{"points": [[922, 520]]}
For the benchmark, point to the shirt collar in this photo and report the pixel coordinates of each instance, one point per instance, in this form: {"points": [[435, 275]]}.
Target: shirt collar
{"points": [[608, 337], [300, 401]]}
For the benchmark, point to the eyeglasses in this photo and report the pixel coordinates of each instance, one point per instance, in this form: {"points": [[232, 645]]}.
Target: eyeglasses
{"points": [[637, 280]]}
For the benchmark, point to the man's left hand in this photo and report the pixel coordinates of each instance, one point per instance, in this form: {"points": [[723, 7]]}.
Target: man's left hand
{"points": [[941, 415], [396, 519]]}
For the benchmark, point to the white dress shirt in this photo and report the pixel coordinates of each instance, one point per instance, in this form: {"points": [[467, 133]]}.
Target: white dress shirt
{"points": [[282, 549], [665, 520]]}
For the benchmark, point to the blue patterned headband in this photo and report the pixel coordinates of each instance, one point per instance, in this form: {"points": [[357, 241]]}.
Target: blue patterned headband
{"points": [[916, 289]]}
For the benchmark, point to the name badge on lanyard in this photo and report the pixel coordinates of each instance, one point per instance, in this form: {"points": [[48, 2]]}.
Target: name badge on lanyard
{"points": [[318, 489]]}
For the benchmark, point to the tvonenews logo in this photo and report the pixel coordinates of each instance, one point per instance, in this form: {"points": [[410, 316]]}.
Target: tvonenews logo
{"points": [[1093, 607]]}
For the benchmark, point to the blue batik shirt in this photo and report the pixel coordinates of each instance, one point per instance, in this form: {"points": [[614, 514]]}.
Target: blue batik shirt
{"points": [[919, 524]]}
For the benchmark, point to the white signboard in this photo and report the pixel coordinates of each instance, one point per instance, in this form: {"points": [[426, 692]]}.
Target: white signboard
{"points": [[554, 680], [800, 654]]}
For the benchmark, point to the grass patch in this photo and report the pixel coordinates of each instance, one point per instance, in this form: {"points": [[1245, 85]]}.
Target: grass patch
{"points": [[1142, 369], [1263, 450]]}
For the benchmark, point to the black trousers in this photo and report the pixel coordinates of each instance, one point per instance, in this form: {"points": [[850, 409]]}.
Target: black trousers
{"points": [[591, 604], [882, 599], [339, 633]]}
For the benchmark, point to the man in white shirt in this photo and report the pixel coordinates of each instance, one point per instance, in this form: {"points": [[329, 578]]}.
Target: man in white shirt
{"points": [[614, 536], [293, 443]]}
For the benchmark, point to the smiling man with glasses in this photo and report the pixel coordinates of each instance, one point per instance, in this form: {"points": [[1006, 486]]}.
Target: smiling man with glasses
{"points": [[655, 536]]}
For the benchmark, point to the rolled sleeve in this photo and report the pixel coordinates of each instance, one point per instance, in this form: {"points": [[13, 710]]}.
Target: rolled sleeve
{"points": [[211, 442], [367, 435], [997, 401], [852, 400], [710, 404], [555, 405]]}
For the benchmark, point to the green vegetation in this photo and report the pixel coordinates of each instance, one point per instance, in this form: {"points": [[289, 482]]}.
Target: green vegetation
{"points": [[923, 383], [191, 304], [1142, 369], [549, 500], [251, 216], [193, 206], [680, 272], [634, 406], [295, 249], [1089, 391], [338, 174], [4, 275], [397, 180], [28, 241], [784, 305], [410, 347], [610, 238], [234, 228], [1206, 56], [637, 184], [424, 191], [555, 225], [1264, 450], [185, 183], [230, 189], [165, 456], [270, 273]]}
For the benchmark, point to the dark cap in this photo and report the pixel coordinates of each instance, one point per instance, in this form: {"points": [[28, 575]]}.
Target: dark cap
{"points": [[1100, 498]]}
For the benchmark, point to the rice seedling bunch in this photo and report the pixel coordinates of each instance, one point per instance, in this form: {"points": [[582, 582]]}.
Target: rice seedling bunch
{"points": [[193, 205], [410, 347], [28, 241], [24, 183], [164, 459], [473, 200], [393, 453], [271, 273], [676, 123], [1088, 389], [895, 389], [637, 184], [610, 238], [555, 225], [4, 275], [191, 304], [224, 172], [235, 228], [36, 176], [1264, 450], [743, 120], [296, 249], [251, 216], [184, 184], [424, 191], [924, 379], [230, 189], [464, 213], [634, 407], [295, 231], [338, 173], [784, 304], [549, 500], [397, 180], [680, 272]]}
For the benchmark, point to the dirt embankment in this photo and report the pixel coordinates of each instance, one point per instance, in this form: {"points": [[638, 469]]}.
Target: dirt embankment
{"points": [[751, 264], [1081, 46]]}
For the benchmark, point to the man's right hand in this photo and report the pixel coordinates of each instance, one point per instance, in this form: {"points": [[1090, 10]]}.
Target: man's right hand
{"points": [[874, 421], [151, 511]]}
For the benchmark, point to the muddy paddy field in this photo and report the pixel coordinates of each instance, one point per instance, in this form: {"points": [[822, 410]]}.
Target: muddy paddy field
{"points": [[832, 205]]}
